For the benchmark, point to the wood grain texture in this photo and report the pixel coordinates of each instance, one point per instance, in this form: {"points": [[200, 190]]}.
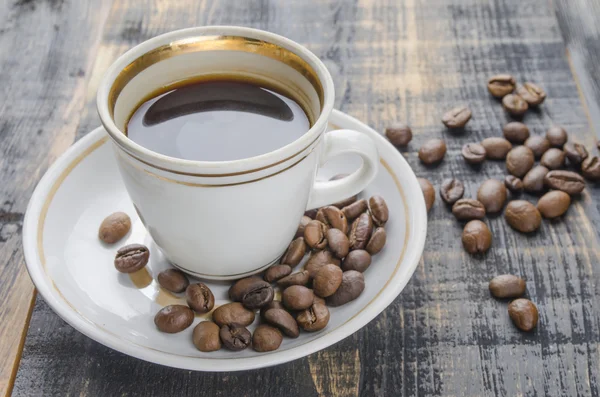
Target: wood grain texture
{"points": [[444, 335]]}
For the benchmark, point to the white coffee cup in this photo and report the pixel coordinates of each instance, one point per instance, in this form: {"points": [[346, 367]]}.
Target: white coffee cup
{"points": [[228, 219]]}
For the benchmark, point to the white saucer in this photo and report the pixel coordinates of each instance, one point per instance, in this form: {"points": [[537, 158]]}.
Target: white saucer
{"points": [[74, 272]]}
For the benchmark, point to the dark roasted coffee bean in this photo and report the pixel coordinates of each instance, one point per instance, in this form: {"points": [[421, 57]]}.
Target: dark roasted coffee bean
{"points": [[266, 338], [173, 280], [533, 182], [315, 318], [566, 181], [361, 230], [451, 190], [457, 117], [557, 136], [271, 305], [432, 151], [524, 314], [294, 253], [333, 217], [514, 184], [131, 258], [514, 105], [277, 272], [233, 312], [235, 337], [473, 153], [253, 292], [379, 210], [297, 297], [476, 237], [590, 168], [521, 215], [554, 204], [338, 242], [345, 202], [174, 318], [199, 298], [496, 148], [501, 85], [468, 209], [327, 280], [492, 194], [507, 286], [298, 278], [114, 227], [315, 235], [399, 134], [319, 259], [519, 161], [311, 213], [377, 241], [353, 210], [428, 192], [553, 159], [516, 132], [353, 284], [538, 145], [576, 153], [284, 321], [531, 93], [358, 260], [206, 337], [303, 222]]}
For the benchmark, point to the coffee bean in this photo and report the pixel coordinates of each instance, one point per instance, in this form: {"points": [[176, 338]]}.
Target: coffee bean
{"points": [[297, 297], [576, 153], [114, 227], [294, 253], [319, 259], [199, 298], [496, 148], [298, 278], [338, 242], [253, 292], [271, 305], [318, 299], [523, 313], [399, 134], [507, 286], [358, 260], [303, 222], [266, 338], [333, 217], [379, 210], [327, 280], [131, 258], [277, 272], [428, 192], [476, 237], [553, 204], [361, 230], [501, 85], [235, 337], [557, 136], [533, 182], [492, 194], [468, 209], [514, 105], [233, 312], [516, 132], [284, 321], [353, 210], [315, 318], [353, 284], [521, 215], [473, 153], [432, 151], [345, 202], [173, 280], [553, 159], [377, 241], [315, 235], [566, 181], [173, 318], [311, 213], [590, 168], [206, 337], [457, 117], [514, 184], [538, 145], [531, 93], [519, 161], [451, 190]]}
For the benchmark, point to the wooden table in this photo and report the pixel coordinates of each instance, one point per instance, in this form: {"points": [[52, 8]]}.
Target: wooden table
{"points": [[391, 60]]}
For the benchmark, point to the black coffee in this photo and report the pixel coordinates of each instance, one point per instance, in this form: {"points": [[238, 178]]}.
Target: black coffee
{"points": [[217, 120]]}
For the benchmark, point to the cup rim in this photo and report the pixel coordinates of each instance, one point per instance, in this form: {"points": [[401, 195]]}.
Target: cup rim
{"points": [[169, 163]]}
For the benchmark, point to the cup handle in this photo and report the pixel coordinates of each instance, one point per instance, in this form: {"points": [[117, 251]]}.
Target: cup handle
{"points": [[340, 142]]}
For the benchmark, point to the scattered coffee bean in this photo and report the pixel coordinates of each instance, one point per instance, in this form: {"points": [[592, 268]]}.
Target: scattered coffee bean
{"points": [[507, 286], [266, 338], [315, 235], [353, 210], [252, 291], [451, 190], [457, 117], [538, 145], [311, 213], [338, 243], [399, 134], [303, 222], [271, 305], [554, 204], [557, 136], [377, 241], [473, 153], [174, 318], [358, 260], [345, 202], [297, 297], [294, 253], [353, 284], [428, 192], [468, 209], [476, 237], [531, 93], [566, 181], [521, 215], [432, 151], [327, 280], [298, 278], [114, 227], [233, 312], [501, 85], [315, 318], [496, 148], [131, 258], [200, 298], [333, 217], [277, 272], [361, 230], [523, 313], [173, 280], [533, 182], [516, 132], [492, 194], [576, 153], [514, 105], [235, 337], [590, 168], [379, 210], [520, 160], [553, 159], [514, 184], [206, 337], [284, 321], [319, 259]]}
